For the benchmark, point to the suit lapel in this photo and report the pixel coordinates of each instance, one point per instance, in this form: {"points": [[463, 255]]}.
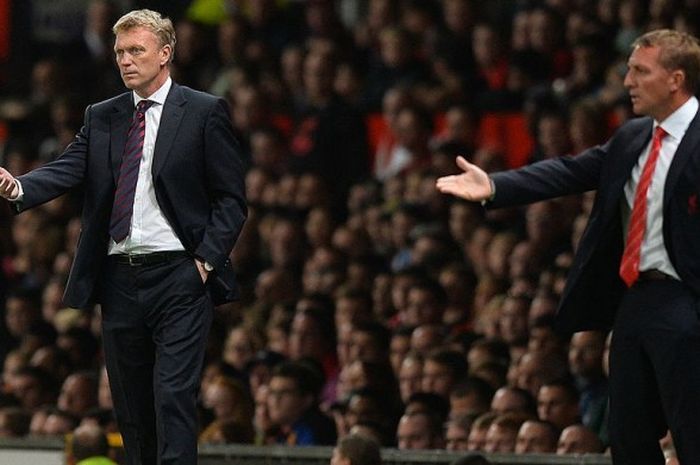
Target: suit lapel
{"points": [[629, 157], [120, 119], [170, 119], [684, 152]]}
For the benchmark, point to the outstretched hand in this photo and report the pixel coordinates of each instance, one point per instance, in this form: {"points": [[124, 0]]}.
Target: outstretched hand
{"points": [[473, 184], [8, 186]]}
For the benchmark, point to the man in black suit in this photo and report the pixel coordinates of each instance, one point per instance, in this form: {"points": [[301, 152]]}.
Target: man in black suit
{"points": [[637, 267], [164, 203]]}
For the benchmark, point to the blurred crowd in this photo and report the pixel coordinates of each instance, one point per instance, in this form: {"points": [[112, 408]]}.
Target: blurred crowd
{"points": [[371, 304]]}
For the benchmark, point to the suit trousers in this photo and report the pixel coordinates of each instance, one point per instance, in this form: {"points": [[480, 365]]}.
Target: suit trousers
{"points": [[155, 322], [655, 374]]}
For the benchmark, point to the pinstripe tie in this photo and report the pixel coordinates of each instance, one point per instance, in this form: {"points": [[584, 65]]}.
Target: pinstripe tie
{"points": [[123, 205], [629, 267]]}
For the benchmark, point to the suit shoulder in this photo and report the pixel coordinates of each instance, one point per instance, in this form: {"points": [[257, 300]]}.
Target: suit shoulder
{"points": [[199, 96], [633, 126], [110, 102]]}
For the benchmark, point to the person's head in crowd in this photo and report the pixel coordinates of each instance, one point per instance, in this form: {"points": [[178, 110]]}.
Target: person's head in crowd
{"points": [[471, 396], [292, 392], [89, 442], [499, 249], [372, 406], [463, 220], [267, 149], [432, 246], [58, 423], [324, 271], [536, 436], [228, 398], [509, 399], [558, 403], [399, 346], [538, 368], [478, 431], [275, 285], [15, 360], [319, 74], [442, 369], [503, 432], [104, 418], [543, 337], [484, 350], [22, 311], [312, 191], [524, 261], [319, 227], [312, 332], [286, 241], [81, 345], [513, 321], [260, 368], [239, 347], [34, 387], [78, 393], [543, 305], [370, 342], [352, 305], [486, 47], [586, 355], [427, 336], [457, 432], [356, 449], [52, 298], [578, 439], [52, 360], [425, 304], [14, 422], [419, 430]]}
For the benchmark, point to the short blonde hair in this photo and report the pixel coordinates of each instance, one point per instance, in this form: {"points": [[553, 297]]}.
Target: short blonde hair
{"points": [[151, 20]]}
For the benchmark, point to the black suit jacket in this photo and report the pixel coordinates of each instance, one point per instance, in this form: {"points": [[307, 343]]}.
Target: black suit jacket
{"points": [[594, 288], [197, 174]]}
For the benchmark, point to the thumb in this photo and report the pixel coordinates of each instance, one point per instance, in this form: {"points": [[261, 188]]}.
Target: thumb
{"points": [[463, 163]]}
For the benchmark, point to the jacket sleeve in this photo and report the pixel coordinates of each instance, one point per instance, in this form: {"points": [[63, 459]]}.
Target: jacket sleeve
{"points": [[59, 176], [225, 187], [550, 178]]}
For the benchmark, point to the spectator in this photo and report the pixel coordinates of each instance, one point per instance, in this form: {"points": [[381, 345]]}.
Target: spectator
{"points": [[558, 404], [292, 402], [356, 450], [419, 431], [536, 436], [89, 446], [577, 439]]}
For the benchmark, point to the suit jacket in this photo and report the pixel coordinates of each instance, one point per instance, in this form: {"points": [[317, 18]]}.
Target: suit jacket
{"points": [[594, 289], [197, 175]]}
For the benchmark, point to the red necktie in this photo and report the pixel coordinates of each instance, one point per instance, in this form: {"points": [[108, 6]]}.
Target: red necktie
{"points": [[123, 206], [629, 267]]}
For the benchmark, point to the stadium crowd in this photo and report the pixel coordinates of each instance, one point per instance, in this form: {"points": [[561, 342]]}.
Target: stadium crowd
{"points": [[370, 303]]}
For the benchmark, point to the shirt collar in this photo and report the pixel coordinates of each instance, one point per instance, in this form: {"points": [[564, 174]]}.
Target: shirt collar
{"points": [[158, 96], [677, 123]]}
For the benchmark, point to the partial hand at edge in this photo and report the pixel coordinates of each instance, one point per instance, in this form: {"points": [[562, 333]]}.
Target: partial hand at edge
{"points": [[8, 186], [203, 273], [473, 184]]}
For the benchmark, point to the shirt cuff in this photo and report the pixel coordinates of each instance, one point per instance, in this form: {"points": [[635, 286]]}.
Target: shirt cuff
{"points": [[20, 192], [493, 193]]}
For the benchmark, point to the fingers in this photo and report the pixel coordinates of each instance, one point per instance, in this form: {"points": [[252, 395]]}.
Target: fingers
{"points": [[463, 163], [8, 186]]}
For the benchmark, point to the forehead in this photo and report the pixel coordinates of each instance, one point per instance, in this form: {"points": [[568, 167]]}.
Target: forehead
{"points": [[645, 55], [138, 35]]}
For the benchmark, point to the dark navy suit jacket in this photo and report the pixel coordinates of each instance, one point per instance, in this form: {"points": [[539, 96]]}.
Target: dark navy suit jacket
{"points": [[197, 174], [594, 288]]}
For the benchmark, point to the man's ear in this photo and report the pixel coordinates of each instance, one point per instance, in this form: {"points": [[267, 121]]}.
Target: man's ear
{"points": [[165, 53], [677, 80]]}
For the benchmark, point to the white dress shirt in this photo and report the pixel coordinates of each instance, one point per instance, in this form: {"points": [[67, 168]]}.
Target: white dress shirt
{"points": [[654, 255], [150, 230]]}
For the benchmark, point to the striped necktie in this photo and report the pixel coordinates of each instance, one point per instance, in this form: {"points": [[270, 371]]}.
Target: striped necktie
{"points": [[123, 205]]}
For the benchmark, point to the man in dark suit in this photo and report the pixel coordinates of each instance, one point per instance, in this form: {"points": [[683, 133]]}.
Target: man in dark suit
{"points": [[164, 204], [637, 267]]}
